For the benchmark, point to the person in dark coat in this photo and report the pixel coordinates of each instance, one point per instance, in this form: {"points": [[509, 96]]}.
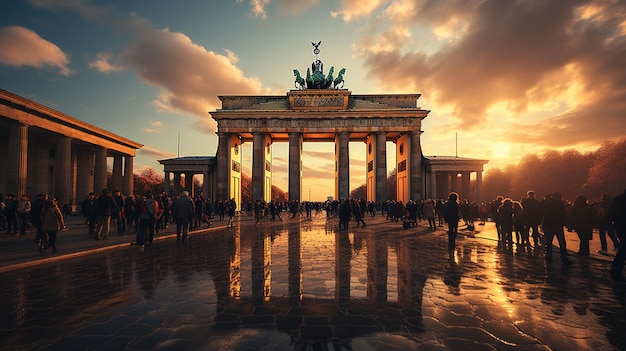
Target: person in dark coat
{"points": [[451, 215], [532, 216], [582, 219], [89, 212], [183, 210], [617, 214], [553, 222], [35, 214]]}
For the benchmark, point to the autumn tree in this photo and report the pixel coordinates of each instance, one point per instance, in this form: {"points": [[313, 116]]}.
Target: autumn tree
{"points": [[359, 192], [148, 179], [607, 175]]}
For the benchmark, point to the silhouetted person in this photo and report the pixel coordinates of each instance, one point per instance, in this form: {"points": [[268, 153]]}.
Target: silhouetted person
{"points": [[553, 222], [104, 208], [496, 217], [505, 218], [451, 215], [183, 210], [617, 213], [583, 220], [89, 211], [605, 224], [52, 222], [532, 216]]}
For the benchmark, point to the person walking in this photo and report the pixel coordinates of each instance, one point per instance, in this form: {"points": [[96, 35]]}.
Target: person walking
{"points": [[104, 207], [451, 215], [149, 208], [553, 222], [532, 216], [429, 213], [52, 220], [23, 211], [583, 219], [36, 214], [90, 213], [605, 225], [617, 214], [183, 210]]}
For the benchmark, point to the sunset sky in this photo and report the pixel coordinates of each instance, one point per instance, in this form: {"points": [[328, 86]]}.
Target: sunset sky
{"points": [[508, 77]]}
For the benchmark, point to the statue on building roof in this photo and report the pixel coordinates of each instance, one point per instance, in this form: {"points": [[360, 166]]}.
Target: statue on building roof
{"points": [[315, 78]]}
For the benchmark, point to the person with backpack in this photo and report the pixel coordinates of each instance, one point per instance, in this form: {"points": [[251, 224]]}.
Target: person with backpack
{"points": [[147, 214], [183, 210]]}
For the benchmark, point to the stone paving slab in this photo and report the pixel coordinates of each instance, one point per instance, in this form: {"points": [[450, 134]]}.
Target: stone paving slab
{"points": [[302, 284]]}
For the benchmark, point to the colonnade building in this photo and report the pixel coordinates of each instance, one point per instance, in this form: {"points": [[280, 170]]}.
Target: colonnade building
{"points": [[46, 151]]}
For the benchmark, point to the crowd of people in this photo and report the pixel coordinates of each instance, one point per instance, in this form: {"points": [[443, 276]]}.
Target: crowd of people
{"points": [[517, 222]]}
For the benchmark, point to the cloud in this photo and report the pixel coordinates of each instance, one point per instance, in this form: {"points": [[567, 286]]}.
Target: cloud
{"points": [[257, 8], [354, 9], [21, 46], [294, 8], [190, 77], [553, 70], [102, 63], [156, 127], [152, 152]]}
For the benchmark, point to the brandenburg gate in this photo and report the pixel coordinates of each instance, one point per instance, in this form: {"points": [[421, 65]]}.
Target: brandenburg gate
{"points": [[320, 110]]}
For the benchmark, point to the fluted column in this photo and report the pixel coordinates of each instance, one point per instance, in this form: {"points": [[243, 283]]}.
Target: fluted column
{"points": [[223, 166], [177, 190], [189, 184], [342, 164], [17, 159], [167, 187], [100, 170], [129, 180], [117, 172], [62, 170], [295, 166], [466, 192], [479, 186], [433, 184], [381, 167], [258, 166], [84, 178], [206, 182], [415, 164]]}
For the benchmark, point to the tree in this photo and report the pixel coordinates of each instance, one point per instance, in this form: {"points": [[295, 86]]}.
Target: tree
{"points": [[497, 183], [359, 192], [148, 179], [607, 175]]}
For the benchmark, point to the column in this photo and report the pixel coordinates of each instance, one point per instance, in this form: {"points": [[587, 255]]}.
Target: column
{"points": [[466, 192], [62, 170], [381, 166], [167, 186], [17, 159], [100, 170], [223, 166], [479, 186], [295, 166], [177, 190], [128, 186], [415, 164], [189, 186], [258, 166], [84, 180], [342, 166], [206, 183], [117, 173], [433, 184]]}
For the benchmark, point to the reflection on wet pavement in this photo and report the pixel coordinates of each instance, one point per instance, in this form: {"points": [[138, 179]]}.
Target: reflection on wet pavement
{"points": [[303, 285]]}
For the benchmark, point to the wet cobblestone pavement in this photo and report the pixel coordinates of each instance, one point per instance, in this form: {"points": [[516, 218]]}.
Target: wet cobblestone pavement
{"points": [[302, 284]]}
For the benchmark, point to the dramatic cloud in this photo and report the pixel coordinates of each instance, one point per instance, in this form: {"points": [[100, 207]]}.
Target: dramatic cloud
{"points": [[354, 9], [155, 153], [190, 76], [553, 70], [293, 8], [156, 127], [21, 46]]}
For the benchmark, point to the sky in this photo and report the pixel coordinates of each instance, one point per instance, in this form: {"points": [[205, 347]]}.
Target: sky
{"points": [[502, 79]]}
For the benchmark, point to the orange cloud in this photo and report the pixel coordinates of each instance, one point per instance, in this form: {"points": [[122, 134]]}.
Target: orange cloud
{"points": [[21, 46]]}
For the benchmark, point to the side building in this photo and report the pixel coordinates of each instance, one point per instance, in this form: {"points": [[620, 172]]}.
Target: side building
{"points": [[46, 151]]}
